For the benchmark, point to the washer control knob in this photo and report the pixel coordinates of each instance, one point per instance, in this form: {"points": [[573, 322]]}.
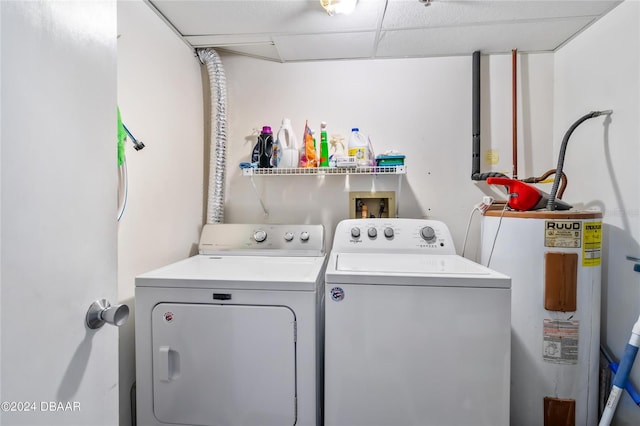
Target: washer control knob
{"points": [[260, 236], [304, 236], [388, 232], [355, 232], [372, 232], [288, 236], [428, 234]]}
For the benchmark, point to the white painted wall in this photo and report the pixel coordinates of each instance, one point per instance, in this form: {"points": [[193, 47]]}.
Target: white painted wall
{"points": [[421, 107], [600, 70], [160, 96]]}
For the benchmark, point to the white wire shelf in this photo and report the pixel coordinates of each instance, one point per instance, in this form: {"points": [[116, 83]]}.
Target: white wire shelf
{"points": [[322, 171]]}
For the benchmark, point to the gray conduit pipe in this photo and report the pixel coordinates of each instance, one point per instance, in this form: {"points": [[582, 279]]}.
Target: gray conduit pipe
{"points": [[475, 123], [551, 203], [217, 158]]}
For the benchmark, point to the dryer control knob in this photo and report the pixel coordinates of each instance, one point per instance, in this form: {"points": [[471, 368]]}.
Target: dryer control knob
{"points": [[355, 232], [288, 236], [388, 232], [372, 232], [304, 236], [260, 236], [428, 234]]}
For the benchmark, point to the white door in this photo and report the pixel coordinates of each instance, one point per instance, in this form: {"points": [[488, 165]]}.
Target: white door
{"points": [[58, 209], [224, 364]]}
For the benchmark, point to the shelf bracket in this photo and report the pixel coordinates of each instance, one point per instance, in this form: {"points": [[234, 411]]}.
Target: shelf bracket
{"points": [[398, 195], [255, 189]]}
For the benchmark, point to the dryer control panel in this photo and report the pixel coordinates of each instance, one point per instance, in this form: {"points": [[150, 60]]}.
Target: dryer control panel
{"points": [[393, 235], [261, 239]]}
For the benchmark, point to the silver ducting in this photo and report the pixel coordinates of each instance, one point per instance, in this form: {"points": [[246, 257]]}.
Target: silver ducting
{"points": [[217, 158]]}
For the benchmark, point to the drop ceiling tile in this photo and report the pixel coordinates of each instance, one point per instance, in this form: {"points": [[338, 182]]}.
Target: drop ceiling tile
{"points": [[325, 46], [217, 17], [499, 38], [301, 30], [413, 14]]}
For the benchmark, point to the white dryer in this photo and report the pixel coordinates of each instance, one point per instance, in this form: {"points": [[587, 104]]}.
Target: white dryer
{"points": [[232, 336], [414, 334]]}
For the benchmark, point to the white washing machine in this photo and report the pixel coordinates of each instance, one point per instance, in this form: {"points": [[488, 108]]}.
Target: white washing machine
{"points": [[414, 334], [232, 336]]}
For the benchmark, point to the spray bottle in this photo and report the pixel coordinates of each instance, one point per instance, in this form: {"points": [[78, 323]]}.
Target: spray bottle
{"points": [[324, 146], [336, 150]]}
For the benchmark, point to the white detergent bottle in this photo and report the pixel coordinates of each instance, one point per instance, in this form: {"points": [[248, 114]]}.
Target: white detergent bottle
{"points": [[289, 154], [359, 148]]}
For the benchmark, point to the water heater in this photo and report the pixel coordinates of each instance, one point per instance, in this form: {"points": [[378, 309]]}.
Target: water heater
{"points": [[553, 259]]}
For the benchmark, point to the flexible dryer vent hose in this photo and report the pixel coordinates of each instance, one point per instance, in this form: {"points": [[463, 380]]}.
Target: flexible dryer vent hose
{"points": [[217, 158]]}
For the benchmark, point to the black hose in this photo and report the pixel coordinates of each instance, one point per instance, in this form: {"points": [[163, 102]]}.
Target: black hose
{"points": [[484, 176], [551, 203], [475, 123], [134, 413], [475, 116]]}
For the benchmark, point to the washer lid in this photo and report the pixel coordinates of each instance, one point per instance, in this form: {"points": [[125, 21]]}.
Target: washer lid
{"points": [[238, 272], [412, 269]]}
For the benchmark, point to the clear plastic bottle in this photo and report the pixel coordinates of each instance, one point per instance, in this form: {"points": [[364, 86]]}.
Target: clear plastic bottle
{"points": [[336, 150], [359, 148]]}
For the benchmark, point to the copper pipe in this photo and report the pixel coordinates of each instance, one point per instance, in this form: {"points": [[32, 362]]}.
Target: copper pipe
{"points": [[563, 181], [514, 90]]}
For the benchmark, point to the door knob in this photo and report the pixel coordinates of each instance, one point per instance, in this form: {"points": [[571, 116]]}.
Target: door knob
{"points": [[101, 311]]}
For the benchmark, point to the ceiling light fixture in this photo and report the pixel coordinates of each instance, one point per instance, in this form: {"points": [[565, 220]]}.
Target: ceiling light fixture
{"points": [[338, 7]]}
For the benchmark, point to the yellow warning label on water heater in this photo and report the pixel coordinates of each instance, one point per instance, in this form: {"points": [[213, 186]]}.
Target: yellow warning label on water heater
{"points": [[592, 247]]}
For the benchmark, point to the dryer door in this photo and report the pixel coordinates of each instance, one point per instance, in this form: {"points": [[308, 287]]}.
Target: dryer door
{"points": [[224, 364]]}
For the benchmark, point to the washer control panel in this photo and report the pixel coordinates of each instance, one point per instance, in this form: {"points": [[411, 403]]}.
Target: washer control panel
{"points": [[386, 235], [290, 240]]}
